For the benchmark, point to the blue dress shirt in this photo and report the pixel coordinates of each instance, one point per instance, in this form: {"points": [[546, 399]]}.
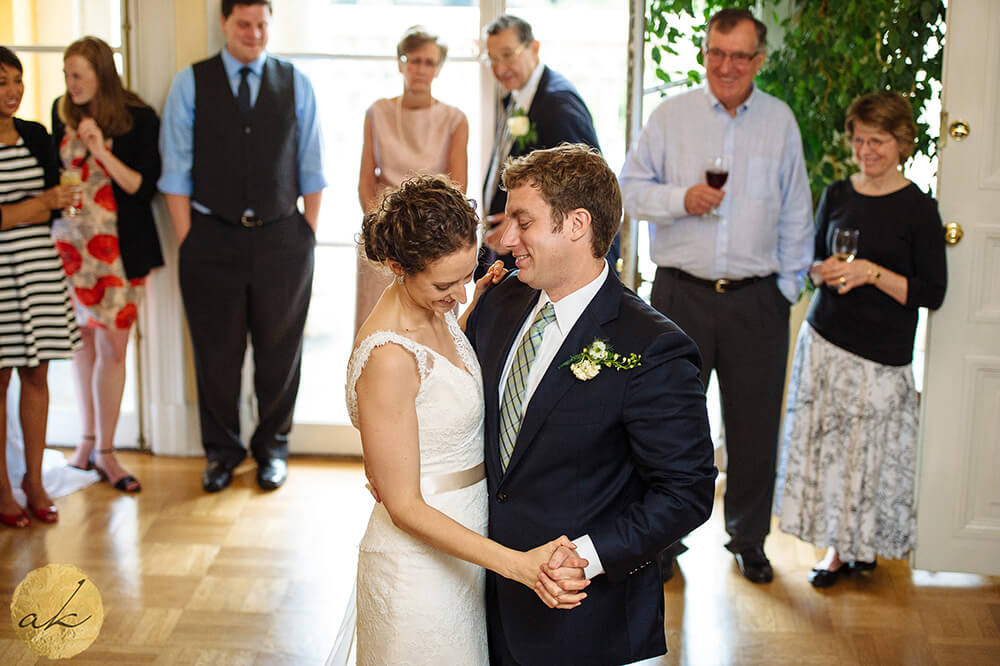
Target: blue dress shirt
{"points": [[177, 129], [765, 224]]}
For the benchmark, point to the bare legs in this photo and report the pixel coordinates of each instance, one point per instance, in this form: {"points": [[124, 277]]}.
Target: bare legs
{"points": [[34, 411], [831, 561], [99, 368]]}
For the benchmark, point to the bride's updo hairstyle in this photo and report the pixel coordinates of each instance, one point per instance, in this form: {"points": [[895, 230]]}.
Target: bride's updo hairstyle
{"points": [[422, 220]]}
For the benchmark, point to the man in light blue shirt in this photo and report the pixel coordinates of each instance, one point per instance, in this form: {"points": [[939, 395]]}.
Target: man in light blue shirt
{"points": [[241, 143], [730, 258]]}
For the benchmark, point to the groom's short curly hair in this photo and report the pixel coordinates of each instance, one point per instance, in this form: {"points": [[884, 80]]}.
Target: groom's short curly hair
{"points": [[422, 220], [572, 176]]}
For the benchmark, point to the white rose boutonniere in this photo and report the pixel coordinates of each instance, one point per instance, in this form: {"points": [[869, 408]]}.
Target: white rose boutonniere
{"points": [[598, 354], [522, 129]]}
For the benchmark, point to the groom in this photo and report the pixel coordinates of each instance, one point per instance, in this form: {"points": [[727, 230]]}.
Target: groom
{"points": [[620, 461]]}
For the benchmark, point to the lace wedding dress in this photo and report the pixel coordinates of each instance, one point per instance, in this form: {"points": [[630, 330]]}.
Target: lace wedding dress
{"points": [[416, 605]]}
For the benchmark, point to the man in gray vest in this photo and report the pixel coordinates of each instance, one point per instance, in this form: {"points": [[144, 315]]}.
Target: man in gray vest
{"points": [[240, 143]]}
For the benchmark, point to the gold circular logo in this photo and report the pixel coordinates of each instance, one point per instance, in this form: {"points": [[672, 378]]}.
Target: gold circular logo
{"points": [[57, 611]]}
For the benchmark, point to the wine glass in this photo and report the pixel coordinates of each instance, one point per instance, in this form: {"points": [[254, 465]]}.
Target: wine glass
{"points": [[72, 177], [716, 175], [845, 244]]}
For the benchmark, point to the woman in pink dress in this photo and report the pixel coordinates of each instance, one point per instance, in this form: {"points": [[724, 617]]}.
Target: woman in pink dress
{"points": [[407, 135], [110, 244]]}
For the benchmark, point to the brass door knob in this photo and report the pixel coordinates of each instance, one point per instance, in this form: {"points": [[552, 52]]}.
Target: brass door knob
{"points": [[953, 233], [958, 130]]}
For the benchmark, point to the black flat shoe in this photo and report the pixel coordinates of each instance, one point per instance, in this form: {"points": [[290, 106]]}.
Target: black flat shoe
{"points": [[216, 477], [858, 566], [824, 577], [271, 474], [754, 565]]}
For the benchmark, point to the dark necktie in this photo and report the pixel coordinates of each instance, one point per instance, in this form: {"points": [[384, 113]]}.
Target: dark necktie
{"points": [[243, 93]]}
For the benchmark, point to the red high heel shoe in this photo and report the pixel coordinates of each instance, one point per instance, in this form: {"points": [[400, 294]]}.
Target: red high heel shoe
{"points": [[46, 514], [16, 520]]}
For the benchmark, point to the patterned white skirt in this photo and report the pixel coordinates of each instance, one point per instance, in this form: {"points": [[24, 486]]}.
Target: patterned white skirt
{"points": [[848, 452]]}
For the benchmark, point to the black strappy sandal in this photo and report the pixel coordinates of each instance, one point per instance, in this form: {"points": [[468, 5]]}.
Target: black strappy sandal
{"points": [[90, 461], [126, 484]]}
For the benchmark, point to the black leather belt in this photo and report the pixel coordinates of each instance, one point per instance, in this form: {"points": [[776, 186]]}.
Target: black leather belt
{"points": [[721, 286]]}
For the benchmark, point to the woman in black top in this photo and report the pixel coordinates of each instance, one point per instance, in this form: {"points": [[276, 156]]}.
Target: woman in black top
{"points": [[110, 245], [847, 465], [36, 317]]}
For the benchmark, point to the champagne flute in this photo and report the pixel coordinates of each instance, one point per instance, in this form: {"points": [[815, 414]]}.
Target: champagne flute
{"points": [[845, 244], [716, 175], [72, 177]]}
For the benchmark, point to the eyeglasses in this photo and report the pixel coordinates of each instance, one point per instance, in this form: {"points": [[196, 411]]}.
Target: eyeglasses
{"points": [[739, 58], [872, 142], [418, 62], [502, 59]]}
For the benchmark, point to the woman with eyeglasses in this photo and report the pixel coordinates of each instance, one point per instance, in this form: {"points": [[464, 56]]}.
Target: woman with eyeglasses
{"points": [[848, 458], [109, 244], [413, 133], [36, 316]]}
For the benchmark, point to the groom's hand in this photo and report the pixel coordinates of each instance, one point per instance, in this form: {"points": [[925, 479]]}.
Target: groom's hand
{"points": [[561, 580]]}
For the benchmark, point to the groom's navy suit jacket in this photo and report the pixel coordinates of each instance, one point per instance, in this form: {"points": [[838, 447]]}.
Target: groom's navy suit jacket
{"points": [[625, 457]]}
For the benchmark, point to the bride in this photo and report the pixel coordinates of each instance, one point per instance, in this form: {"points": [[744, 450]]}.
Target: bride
{"points": [[415, 391]]}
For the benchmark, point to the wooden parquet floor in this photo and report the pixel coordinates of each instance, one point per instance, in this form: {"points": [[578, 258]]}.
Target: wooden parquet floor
{"points": [[246, 577]]}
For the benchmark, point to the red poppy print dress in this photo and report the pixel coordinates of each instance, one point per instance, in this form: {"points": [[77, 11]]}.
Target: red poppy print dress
{"points": [[87, 243]]}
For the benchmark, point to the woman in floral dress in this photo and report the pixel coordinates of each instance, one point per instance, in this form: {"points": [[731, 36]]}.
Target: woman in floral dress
{"points": [[110, 244]]}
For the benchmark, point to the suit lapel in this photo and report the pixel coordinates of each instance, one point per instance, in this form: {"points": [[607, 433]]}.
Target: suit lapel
{"points": [[557, 381]]}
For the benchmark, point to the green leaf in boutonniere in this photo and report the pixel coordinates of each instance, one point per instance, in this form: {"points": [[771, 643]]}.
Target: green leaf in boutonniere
{"points": [[524, 131], [598, 354]]}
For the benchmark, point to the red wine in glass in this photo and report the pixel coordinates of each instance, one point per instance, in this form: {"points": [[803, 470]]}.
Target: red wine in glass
{"points": [[716, 178], [716, 175]]}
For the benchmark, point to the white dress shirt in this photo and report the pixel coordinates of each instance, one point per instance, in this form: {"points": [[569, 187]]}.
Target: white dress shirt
{"points": [[568, 310], [526, 95]]}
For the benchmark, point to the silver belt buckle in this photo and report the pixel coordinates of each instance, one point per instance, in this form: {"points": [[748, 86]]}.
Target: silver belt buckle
{"points": [[720, 285]]}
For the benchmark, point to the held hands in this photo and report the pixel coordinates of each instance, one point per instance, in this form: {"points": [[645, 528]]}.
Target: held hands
{"points": [[842, 275], [563, 592], [493, 236], [92, 136], [700, 199]]}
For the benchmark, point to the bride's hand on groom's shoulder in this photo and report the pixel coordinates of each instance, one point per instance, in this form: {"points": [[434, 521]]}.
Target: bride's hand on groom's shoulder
{"points": [[492, 276]]}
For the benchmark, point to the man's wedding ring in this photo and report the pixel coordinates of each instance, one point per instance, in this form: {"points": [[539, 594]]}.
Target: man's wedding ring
{"points": [[843, 280]]}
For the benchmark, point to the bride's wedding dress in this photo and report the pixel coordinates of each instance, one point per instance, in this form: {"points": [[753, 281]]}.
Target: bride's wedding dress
{"points": [[416, 605]]}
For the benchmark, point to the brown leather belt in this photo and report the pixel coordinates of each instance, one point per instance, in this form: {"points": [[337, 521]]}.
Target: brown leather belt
{"points": [[721, 286]]}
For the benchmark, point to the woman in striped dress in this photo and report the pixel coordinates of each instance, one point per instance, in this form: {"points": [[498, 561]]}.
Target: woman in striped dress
{"points": [[36, 315]]}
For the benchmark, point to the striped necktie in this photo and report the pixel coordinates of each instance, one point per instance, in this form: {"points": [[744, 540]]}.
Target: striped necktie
{"points": [[511, 407]]}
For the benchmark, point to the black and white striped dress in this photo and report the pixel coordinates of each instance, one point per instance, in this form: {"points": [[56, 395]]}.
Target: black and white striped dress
{"points": [[36, 314]]}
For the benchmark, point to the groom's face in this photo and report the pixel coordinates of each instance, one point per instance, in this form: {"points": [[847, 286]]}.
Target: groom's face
{"points": [[542, 255]]}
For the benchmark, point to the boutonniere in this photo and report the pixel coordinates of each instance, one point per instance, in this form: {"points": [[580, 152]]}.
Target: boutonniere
{"points": [[524, 131], [588, 363]]}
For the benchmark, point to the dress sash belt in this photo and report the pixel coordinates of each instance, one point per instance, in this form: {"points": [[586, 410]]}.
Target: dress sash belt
{"points": [[442, 483]]}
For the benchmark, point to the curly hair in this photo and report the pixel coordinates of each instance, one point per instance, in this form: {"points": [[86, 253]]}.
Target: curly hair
{"points": [[422, 220], [571, 176], [889, 112]]}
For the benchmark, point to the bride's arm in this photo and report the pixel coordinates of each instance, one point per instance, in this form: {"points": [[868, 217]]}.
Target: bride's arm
{"points": [[387, 418]]}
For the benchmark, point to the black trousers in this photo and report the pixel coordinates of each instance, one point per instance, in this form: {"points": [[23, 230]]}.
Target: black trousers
{"points": [[743, 336], [237, 281]]}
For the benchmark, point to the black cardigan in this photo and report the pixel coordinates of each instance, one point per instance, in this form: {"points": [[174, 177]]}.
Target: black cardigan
{"points": [[901, 231], [37, 141], [137, 237]]}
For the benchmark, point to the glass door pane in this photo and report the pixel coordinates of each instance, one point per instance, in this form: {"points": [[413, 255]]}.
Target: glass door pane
{"points": [[348, 51]]}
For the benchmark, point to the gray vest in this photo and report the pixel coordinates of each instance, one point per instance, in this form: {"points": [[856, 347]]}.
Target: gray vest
{"points": [[245, 165]]}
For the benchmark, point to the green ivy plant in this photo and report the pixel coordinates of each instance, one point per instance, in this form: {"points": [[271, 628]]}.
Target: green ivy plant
{"points": [[831, 52]]}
